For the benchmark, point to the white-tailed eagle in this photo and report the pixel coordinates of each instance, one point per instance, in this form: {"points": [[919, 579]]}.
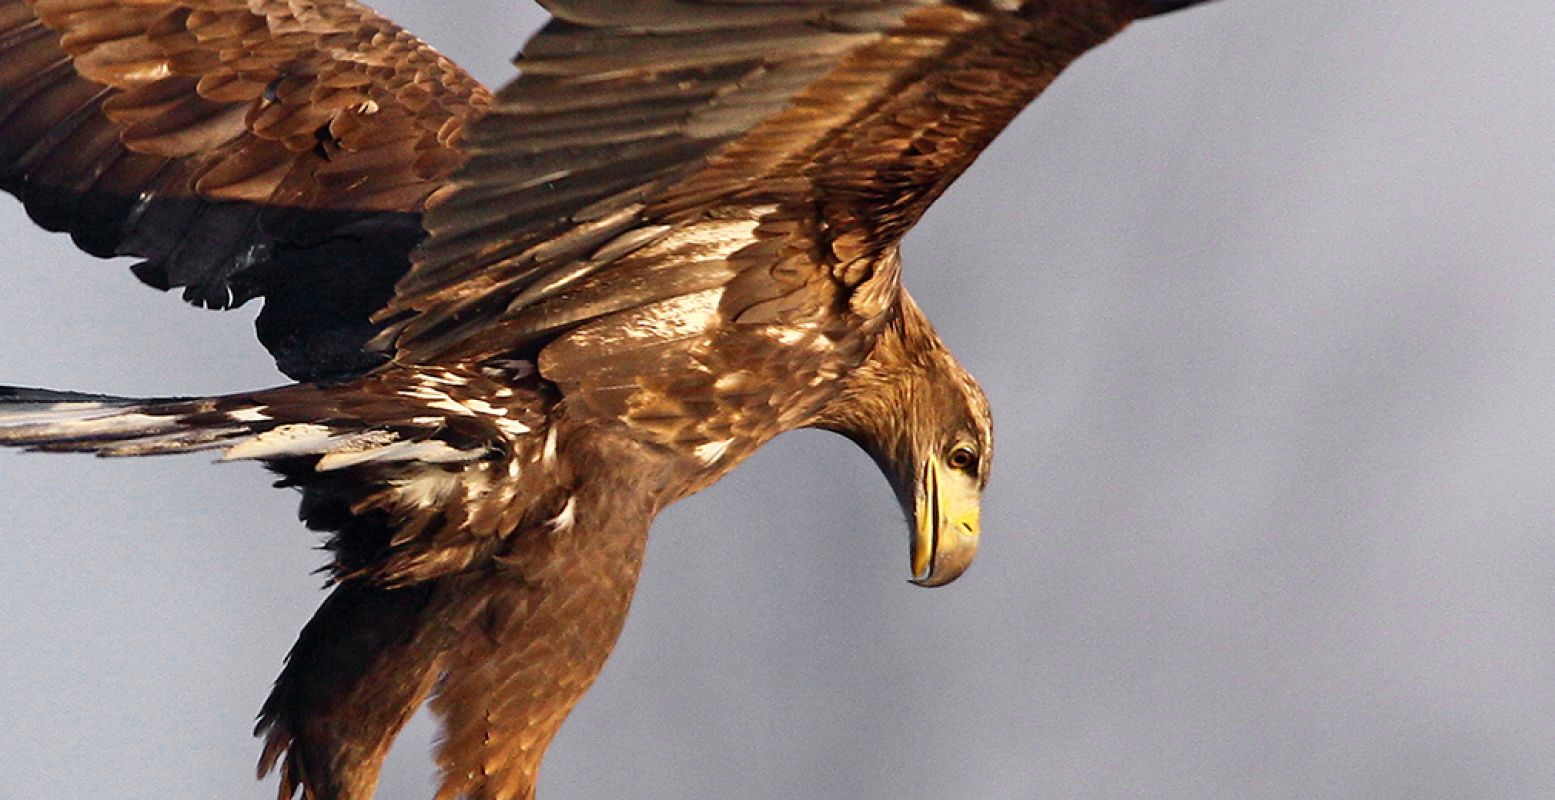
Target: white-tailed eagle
{"points": [[521, 323]]}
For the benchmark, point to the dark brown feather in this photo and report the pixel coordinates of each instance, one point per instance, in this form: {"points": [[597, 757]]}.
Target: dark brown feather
{"points": [[359, 669], [223, 142]]}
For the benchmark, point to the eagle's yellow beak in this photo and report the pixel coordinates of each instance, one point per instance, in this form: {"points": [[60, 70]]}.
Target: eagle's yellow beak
{"points": [[946, 521]]}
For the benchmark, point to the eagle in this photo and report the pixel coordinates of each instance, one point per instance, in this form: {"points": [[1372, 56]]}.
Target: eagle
{"points": [[521, 323]]}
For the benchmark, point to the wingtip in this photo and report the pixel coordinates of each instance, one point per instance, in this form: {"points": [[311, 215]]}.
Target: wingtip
{"points": [[1155, 8], [27, 395]]}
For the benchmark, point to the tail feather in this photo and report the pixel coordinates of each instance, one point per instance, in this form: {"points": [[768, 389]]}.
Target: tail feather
{"points": [[355, 450], [43, 419], [24, 395], [293, 422]]}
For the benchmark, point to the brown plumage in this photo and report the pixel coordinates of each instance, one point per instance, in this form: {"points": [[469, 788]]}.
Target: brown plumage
{"points": [[522, 324]]}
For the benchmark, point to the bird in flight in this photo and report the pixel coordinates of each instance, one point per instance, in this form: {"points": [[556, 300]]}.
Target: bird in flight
{"points": [[521, 323]]}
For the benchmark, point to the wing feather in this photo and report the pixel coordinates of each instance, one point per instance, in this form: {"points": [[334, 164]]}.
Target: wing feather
{"points": [[672, 113], [222, 142]]}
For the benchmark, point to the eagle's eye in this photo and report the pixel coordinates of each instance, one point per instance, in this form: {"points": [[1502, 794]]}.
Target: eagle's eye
{"points": [[963, 459]]}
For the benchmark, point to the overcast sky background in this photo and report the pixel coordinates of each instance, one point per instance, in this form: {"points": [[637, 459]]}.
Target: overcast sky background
{"points": [[1263, 297]]}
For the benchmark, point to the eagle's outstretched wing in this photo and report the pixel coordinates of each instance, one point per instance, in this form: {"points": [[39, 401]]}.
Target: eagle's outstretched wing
{"points": [[239, 148], [249, 148], [631, 122]]}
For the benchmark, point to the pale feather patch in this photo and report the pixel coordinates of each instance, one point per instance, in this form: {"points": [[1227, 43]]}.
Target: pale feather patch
{"points": [[512, 427], [108, 429], [443, 378], [255, 414], [87, 425], [709, 240], [731, 380], [425, 488], [125, 423], [428, 451], [183, 441], [710, 452], [301, 439], [548, 454], [482, 407], [787, 336], [432, 397], [566, 517], [34, 414], [452, 406], [435, 398], [876, 296], [83, 418], [677, 317]]}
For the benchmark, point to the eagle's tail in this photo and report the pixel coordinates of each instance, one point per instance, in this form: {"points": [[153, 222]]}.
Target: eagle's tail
{"points": [[377, 459], [42, 419], [326, 428]]}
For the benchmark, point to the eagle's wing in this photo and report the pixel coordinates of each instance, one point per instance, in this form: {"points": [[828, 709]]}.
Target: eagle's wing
{"points": [[834, 123], [240, 148]]}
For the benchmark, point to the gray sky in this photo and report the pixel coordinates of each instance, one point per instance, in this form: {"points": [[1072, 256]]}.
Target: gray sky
{"points": [[1262, 297]]}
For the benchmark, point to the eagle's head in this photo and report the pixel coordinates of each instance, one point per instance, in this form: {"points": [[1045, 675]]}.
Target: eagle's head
{"points": [[925, 421]]}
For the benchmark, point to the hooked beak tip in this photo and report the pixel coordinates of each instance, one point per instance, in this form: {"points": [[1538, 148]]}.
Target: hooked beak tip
{"points": [[947, 566]]}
